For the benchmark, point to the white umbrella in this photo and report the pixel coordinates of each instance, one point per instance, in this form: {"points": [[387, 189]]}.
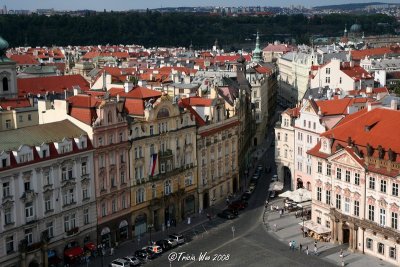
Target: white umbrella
{"points": [[276, 186], [299, 195], [287, 194]]}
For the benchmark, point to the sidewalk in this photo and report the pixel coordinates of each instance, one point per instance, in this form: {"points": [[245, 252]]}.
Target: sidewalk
{"points": [[128, 247], [288, 229]]}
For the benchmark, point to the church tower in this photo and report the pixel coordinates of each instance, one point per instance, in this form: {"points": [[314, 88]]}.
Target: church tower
{"points": [[8, 73], [257, 51]]}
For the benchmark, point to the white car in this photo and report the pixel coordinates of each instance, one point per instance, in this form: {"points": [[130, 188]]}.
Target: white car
{"points": [[172, 242], [156, 249], [134, 261], [178, 238], [119, 263]]}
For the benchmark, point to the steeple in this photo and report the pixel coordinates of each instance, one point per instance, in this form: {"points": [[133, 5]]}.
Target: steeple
{"points": [[345, 30], [257, 50]]}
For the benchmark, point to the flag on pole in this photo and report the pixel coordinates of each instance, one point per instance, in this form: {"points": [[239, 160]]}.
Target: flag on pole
{"points": [[153, 163]]}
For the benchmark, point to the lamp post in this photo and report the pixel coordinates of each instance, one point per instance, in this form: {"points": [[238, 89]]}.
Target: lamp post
{"points": [[302, 218], [212, 206]]}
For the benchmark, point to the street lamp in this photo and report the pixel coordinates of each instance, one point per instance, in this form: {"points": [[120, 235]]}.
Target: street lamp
{"points": [[150, 226], [302, 213]]}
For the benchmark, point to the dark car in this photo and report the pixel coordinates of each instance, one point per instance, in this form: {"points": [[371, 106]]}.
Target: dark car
{"points": [[164, 244], [233, 210], [145, 254], [238, 205], [246, 196], [227, 214]]}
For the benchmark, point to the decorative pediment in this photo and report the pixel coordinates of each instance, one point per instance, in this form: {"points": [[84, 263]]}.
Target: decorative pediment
{"points": [[345, 159], [347, 192], [338, 189], [328, 186], [356, 196], [48, 189], [394, 207], [382, 202], [371, 200], [68, 183], [28, 196], [7, 204], [318, 182]]}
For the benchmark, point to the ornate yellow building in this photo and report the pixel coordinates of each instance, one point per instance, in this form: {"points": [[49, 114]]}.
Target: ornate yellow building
{"points": [[163, 165]]}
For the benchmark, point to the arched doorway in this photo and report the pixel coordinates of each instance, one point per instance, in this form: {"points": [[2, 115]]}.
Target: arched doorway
{"points": [[106, 236], [33, 263], [287, 178], [346, 233], [299, 183], [206, 200], [123, 230], [255, 141], [140, 224]]}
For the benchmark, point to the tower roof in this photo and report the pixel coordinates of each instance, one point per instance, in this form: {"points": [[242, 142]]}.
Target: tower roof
{"points": [[3, 47]]}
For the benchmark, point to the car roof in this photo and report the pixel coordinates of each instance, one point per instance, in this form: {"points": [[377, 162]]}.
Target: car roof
{"points": [[120, 260]]}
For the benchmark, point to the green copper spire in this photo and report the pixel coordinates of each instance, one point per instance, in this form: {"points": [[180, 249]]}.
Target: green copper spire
{"points": [[257, 51], [3, 47]]}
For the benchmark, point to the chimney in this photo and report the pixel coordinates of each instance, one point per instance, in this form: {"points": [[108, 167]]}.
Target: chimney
{"points": [[393, 104], [117, 97], [128, 86], [351, 63], [369, 106], [369, 89], [142, 83]]}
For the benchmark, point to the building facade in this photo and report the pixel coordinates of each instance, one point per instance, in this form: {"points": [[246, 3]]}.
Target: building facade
{"points": [[163, 166], [356, 183], [48, 196]]}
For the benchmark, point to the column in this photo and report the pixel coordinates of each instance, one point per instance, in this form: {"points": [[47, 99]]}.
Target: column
{"points": [[340, 232], [351, 238], [355, 238], [333, 230]]}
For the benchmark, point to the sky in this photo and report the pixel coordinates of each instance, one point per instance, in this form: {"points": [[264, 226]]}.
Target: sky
{"points": [[143, 4]]}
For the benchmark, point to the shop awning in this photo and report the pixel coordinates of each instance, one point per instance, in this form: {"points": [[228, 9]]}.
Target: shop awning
{"points": [[315, 227]]}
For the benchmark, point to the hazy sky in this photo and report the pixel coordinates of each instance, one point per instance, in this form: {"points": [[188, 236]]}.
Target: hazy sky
{"points": [[142, 4]]}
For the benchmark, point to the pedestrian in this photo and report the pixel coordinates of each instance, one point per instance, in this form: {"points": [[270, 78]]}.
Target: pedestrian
{"points": [[280, 212], [290, 245], [294, 245], [300, 247], [275, 227], [272, 208], [307, 250], [341, 253], [111, 251], [315, 250], [208, 216]]}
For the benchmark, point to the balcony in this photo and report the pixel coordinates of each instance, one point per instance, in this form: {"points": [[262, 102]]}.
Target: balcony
{"points": [[84, 176], [34, 246], [31, 220], [68, 182], [165, 154], [72, 232]]}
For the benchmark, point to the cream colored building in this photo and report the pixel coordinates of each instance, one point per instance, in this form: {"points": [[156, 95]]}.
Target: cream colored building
{"points": [[356, 187], [163, 166]]}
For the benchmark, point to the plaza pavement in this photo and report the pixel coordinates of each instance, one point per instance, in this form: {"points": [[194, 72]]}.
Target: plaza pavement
{"points": [[288, 229]]}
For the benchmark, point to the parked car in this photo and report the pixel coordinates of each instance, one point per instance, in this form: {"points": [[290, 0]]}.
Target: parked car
{"points": [[245, 196], [172, 242], [119, 263], [233, 210], [145, 254], [250, 190], [260, 168], [274, 178], [154, 248], [134, 261], [164, 244], [227, 214], [178, 238], [238, 204]]}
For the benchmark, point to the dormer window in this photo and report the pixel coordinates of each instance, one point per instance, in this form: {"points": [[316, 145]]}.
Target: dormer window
{"points": [[4, 163], [44, 153], [27, 186], [24, 157]]}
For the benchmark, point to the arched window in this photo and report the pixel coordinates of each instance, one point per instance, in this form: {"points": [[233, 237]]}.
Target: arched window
{"points": [[5, 84]]}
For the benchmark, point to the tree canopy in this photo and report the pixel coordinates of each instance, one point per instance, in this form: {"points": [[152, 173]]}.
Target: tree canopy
{"points": [[178, 29]]}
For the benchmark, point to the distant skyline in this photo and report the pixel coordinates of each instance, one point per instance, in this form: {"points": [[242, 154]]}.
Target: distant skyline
{"points": [[118, 5]]}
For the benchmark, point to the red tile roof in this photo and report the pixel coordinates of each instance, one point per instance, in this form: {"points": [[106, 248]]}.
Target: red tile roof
{"points": [[137, 93], [334, 106], [283, 48], [41, 85], [24, 59], [200, 101], [134, 106], [356, 73], [84, 101], [360, 54], [379, 126], [14, 103], [262, 69]]}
